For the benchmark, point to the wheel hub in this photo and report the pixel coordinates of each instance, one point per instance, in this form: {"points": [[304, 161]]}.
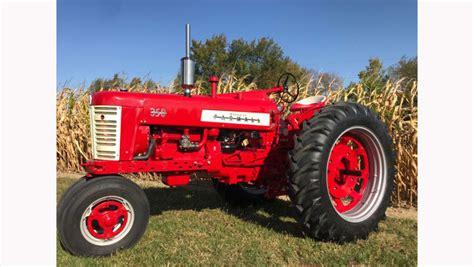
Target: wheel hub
{"points": [[347, 173], [107, 219]]}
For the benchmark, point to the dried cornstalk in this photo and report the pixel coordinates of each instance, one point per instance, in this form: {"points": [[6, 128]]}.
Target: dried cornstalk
{"points": [[395, 105]]}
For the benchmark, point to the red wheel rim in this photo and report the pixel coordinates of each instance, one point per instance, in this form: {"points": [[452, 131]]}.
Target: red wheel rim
{"points": [[107, 219], [347, 173]]}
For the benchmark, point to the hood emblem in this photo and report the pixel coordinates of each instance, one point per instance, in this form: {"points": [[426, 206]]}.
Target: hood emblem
{"points": [[158, 112]]}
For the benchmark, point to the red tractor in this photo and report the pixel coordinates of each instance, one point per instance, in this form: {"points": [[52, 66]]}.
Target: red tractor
{"points": [[335, 161]]}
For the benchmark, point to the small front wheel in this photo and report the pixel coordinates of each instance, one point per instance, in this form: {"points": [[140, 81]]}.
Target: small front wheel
{"points": [[100, 215]]}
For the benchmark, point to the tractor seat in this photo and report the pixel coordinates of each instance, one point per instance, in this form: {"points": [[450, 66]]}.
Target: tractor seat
{"points": [[307, 102]]}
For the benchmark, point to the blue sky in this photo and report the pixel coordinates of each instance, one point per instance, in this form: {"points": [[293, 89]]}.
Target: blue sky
{"points": [[145, 38]]}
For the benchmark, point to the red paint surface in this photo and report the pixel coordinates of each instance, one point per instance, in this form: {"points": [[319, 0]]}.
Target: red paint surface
{"points": [[347, 173], [176, 180], [264, 163], [104, 217]]}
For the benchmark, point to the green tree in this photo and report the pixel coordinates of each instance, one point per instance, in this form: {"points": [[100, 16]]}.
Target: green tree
{"points": [[211, 57], [262, 60], [374, 76], [406, 68]]}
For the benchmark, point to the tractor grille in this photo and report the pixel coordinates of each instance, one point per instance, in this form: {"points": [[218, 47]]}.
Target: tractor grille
{"points": [[105, 132]]}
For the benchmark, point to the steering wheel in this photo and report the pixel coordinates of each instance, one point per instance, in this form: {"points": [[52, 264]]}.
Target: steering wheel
{"points": [[286, 96]]}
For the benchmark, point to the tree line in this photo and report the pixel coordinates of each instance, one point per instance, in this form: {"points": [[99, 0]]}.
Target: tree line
{"points": [[262, 61]]}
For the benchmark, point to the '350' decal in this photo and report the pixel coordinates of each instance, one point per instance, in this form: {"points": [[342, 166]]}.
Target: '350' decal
{"points": [[158, 112]]}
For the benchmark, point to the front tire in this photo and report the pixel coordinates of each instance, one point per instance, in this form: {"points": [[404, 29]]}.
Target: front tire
{"points": [[100, 215], [341, 173]]}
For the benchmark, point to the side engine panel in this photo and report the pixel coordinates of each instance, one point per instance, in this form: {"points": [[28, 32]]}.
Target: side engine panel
{"points": [[231, 138]]}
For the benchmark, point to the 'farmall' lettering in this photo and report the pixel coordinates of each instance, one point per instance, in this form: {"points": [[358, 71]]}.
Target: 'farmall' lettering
{"points": [[249, 118], [158, 112], [234, 117]]}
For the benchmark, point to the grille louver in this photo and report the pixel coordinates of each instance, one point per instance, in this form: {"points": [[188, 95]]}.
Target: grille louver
{"points": [[105, 131]]}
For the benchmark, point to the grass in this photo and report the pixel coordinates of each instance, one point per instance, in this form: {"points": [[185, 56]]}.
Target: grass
{"points": [[191, 225]]}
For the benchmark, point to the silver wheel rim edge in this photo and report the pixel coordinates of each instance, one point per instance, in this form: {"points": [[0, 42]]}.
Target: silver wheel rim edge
{"points": [[375, 190]]}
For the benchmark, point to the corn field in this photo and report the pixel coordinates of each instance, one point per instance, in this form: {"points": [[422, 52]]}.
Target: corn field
{"points": [[395, 104]]}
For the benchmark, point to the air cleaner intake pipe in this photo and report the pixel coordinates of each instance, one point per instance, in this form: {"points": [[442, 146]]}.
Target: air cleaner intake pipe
{"points": [[213, 80], [187, 67]]}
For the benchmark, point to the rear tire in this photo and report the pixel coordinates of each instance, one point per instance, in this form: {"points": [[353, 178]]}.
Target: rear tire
{"points": [[239, 194], [341, 173], [100, 215]]}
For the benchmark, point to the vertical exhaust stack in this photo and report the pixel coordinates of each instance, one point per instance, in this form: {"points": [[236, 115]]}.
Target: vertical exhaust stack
{"points": [[187, 67]]}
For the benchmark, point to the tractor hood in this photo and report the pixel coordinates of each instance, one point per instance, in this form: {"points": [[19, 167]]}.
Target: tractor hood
{"points": [[245, 110]]}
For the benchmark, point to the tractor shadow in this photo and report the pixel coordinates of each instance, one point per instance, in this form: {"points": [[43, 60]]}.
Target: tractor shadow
{"points": [[277, 215]]}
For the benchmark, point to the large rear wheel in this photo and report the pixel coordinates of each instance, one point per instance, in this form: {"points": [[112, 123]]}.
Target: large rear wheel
{"points": [[342, 170]]}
